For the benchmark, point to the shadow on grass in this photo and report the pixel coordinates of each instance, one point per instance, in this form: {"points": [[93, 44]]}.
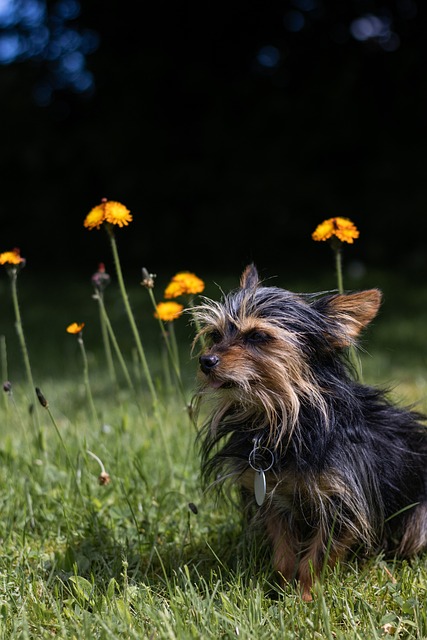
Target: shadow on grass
{"points": [[149, 560]]}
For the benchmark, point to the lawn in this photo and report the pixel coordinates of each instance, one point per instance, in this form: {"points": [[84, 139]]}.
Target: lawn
{"points": [[105, 529]]}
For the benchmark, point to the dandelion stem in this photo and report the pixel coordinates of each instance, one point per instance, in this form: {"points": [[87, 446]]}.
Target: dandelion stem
{"points": [[173, 356], [131, 318], [20, 331], [104, 477], [4, 373], [61, 439], [140, 349], [99, 461], [174, 345], [42, 400], [86, 378], [352, 351], [338, 266], [7, 388], [105, 338], [171, 351], [109, 328]]}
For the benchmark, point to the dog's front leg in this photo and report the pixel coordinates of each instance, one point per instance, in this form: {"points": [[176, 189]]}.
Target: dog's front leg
{"points": [[285, 559], [320, 552]]}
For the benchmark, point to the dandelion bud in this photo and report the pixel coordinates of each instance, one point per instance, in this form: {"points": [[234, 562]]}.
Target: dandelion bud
{"points": [[100, 280], [147, 279], [104, 478], [44, 403], [193, 508]]}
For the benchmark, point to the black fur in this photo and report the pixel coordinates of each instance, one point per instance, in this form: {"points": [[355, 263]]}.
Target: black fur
{"points": [[349, 466]]}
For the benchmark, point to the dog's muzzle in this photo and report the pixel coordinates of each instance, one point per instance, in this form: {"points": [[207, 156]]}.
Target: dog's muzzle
{"points": [[207, 363]]}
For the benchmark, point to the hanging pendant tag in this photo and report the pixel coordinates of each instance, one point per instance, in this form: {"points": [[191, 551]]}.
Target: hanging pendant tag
{"points": [[260, 487], [261, 460]]}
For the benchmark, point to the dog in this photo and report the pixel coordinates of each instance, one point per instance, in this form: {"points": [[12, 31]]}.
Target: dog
{"points": [[326, 464]]}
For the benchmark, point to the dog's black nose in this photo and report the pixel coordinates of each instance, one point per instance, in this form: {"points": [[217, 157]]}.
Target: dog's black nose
{"points": [[207, 363]]}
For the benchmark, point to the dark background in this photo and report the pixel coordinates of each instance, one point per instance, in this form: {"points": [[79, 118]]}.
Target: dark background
{"points": [[229, 129]]}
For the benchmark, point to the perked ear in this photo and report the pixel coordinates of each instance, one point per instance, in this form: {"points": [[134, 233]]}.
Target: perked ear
{"points": [[351, 313], [249, 278]]}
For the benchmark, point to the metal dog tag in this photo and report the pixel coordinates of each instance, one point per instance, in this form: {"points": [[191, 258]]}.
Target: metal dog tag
{"points": [[260, 487]]}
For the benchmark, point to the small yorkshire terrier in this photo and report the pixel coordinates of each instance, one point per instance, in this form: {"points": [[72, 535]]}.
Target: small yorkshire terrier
{"points": [[327, 464]]}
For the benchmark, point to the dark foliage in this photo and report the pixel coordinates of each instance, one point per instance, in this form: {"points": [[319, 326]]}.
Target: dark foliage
{"points": [[229, 129]]}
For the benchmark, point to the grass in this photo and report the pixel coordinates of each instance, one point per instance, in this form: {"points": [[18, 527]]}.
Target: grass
{"points": [[148, 555]]}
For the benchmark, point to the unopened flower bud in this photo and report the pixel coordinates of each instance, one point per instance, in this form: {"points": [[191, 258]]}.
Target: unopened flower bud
{"points": [[100, 279], [148, 279], [193, 508], [41, 398]]}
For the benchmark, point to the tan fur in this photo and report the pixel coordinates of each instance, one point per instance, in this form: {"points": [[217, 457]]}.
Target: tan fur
{"points": [[354, 312], [273, 368]]}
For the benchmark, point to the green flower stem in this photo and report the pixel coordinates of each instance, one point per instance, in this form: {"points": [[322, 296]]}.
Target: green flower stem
{"points": [[338, 265], [42, 400], [173, 356], [10, 399], [99, 461], [109, 328], [174, 345], [86, 378], [140, 349], [105, 339], [20, 331], [131, 318], [172, 349], [4, 373], [61, 439]]}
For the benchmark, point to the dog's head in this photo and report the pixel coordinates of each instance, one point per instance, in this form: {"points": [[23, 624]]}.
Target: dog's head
{"points": [[264, 347]]}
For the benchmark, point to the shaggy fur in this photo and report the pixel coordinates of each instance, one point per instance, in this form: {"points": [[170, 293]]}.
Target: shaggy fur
{"points": [[344, 468]]}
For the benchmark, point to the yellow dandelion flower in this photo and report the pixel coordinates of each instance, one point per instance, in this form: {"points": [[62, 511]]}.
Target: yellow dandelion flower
{"points": [[168, 311], [11, 257], [174, 290], [108, 211], [75, 327], [184, 282], [117, 213], [343, 228], [95, 217], [323, 231], [346, 230]]}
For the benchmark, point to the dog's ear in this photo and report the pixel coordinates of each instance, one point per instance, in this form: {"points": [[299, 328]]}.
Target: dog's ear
{"points": [[350, 313], [249, 278]]}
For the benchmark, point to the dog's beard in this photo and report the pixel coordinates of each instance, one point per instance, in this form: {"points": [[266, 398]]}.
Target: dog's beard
{"points": [[260, 405]]}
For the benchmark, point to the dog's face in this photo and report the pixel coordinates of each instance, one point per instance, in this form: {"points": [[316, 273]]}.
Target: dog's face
{"points": [[263, 345]]}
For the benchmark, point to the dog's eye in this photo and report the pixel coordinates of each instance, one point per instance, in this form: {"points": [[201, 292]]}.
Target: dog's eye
{"points": [[256, 337], [214, 336]]}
